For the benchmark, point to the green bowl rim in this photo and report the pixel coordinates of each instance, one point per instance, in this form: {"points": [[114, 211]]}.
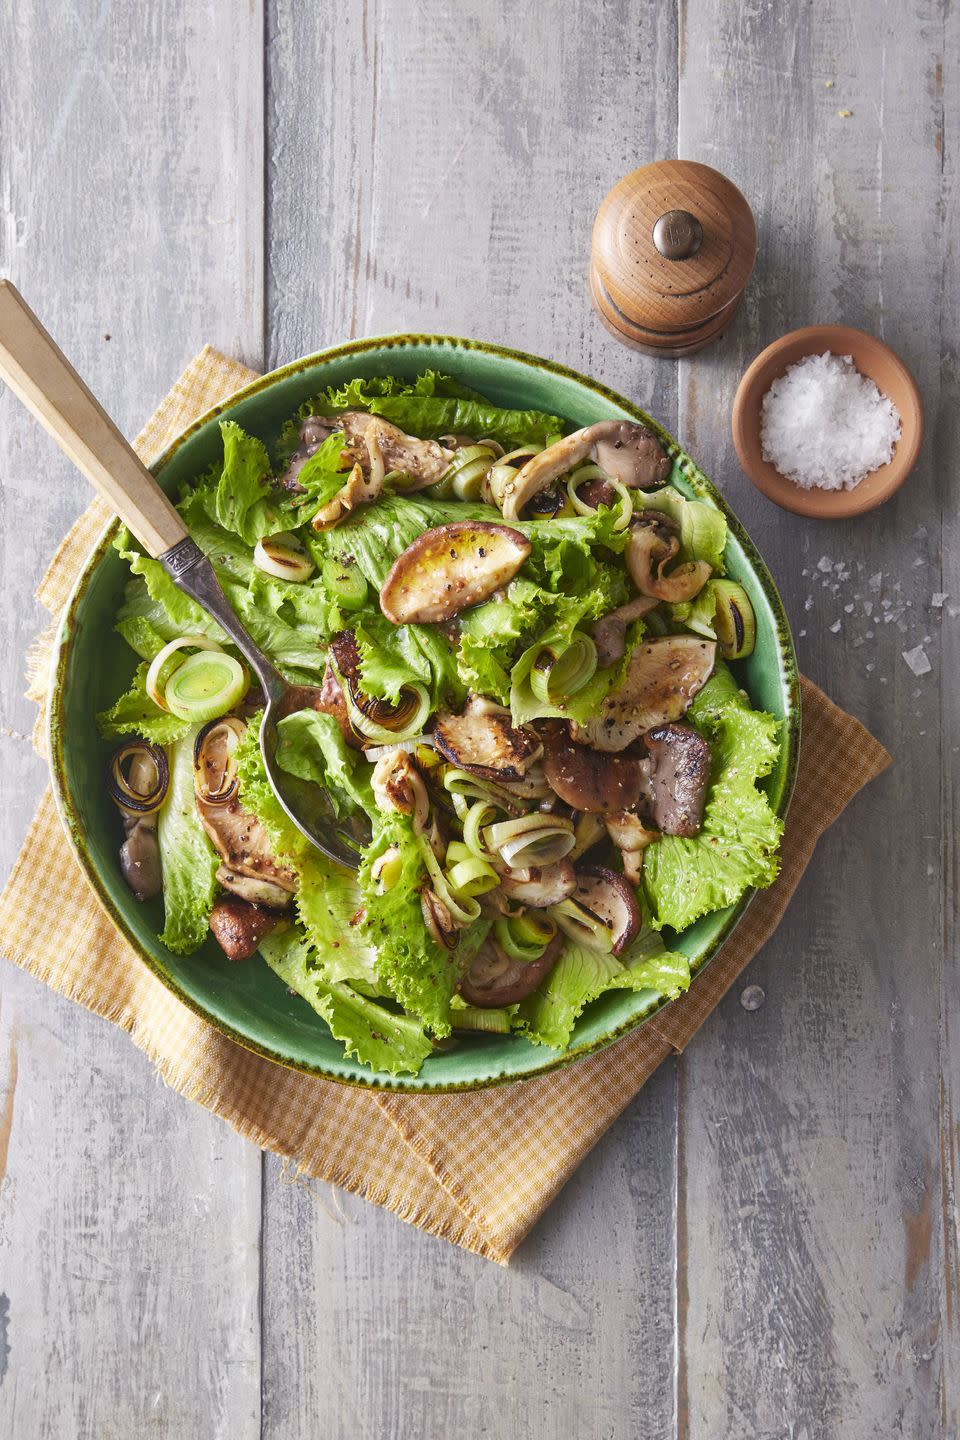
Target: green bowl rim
{"points": [[64, 642]]}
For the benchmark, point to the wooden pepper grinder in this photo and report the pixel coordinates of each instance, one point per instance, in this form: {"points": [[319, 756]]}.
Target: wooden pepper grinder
{"points": [[673, 247]]}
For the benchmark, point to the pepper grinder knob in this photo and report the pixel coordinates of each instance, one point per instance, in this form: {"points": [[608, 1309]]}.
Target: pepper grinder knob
{"points": [[678, 235]]}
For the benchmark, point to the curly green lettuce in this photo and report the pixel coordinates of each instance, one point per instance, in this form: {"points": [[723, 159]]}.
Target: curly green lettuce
{"points": [[737, 845]]}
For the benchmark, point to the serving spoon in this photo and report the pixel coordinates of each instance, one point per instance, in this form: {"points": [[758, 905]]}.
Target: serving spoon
{"points": [[39, 373]]}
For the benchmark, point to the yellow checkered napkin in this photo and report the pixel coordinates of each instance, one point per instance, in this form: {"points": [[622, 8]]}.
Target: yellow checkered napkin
{"points": [[471, 1167]]}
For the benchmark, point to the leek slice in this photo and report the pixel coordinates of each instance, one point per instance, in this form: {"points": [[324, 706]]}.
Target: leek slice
{"points": [[206, 686]]}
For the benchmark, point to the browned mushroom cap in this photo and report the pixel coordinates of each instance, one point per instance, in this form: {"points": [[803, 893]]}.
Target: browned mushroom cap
{"points": [[494, 979], [140, 856], [628, 452], [662, 678], [449, 568], [610, 632], [238, 927], [611, 899], [482, 740], [539, 888], [632, 454], [584, 778], [677, 775], [650, 550], [378, 446]]}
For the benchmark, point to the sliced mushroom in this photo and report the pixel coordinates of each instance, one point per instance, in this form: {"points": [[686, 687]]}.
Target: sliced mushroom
{"points": [[603, 914], [238, 927], [540, 888], [449, 568], [662, 678], [650, 550], [140, 856], [494, 979], [254, 888], [586, 779], [375, 445], [359, 489], [398, 785], [609, 896], [589, 829], [423, 462], [482, 740], [631, 837], [676, 776], [626, 451], [610, 632], [438, 919], [242, 842]]}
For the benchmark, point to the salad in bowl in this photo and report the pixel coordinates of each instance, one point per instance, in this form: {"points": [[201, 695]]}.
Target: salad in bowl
{"points": [[524, 648]]}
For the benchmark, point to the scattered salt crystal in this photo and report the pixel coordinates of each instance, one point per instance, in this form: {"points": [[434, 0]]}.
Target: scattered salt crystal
{"points": [[848, 609], [843, 573], [870, 668], [876, 580], [927, 639], [917, 660], [919, 561], [937, 599], [868, 607], [825, 425], [886, 604], [953, 611], [808, 603], [835, 627], [869, 635], [825, 564], [801, 633]]}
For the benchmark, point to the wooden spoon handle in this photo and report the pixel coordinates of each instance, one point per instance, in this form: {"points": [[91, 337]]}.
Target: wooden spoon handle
{"points": [[37, 370]]}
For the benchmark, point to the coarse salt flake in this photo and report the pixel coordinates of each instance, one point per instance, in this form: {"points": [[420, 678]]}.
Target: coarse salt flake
{"points": [[917, 660], [826, 426]]}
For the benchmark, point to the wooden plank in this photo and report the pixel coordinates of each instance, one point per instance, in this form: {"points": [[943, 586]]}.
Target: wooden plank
{"points": [[454, 164], [809, 1137], [132, 220]]}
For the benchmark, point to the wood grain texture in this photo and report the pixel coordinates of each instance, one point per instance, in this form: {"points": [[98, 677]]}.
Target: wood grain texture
{"points": [[766, 1243], [129, 1221], [457, 193], [810, 1142]]}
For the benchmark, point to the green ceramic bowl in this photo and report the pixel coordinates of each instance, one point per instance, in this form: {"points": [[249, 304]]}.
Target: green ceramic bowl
{"points": [[248, 1002]]}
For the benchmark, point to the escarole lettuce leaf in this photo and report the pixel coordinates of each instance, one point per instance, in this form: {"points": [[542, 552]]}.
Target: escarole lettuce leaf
{"points": [[311, 746], [188, 859], [328, 902], [370, 1032], [580, 976], [239, 497], [435, 405], [736, 848], [416, 969], [136, 714]]}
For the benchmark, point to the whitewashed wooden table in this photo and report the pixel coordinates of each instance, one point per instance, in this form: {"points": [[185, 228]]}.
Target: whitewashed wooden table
{"points": [[766, 1244]]}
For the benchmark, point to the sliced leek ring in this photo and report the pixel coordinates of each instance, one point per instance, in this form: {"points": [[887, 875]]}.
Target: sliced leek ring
{"points": [[206, 686], [283, 556], [558, 674], [734, 620], [593, 472], [160, 672]]}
